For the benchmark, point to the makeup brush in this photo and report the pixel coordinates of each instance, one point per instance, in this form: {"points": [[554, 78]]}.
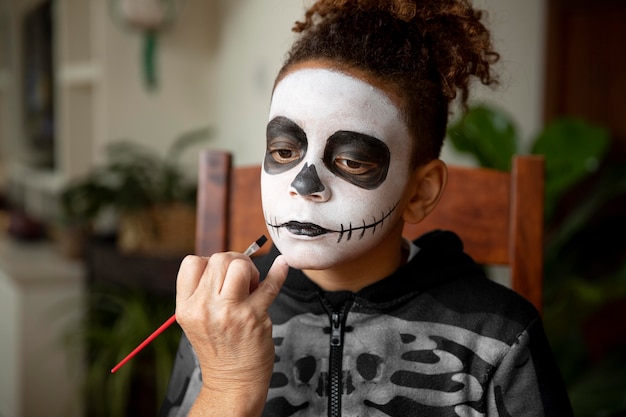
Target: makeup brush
{"points": [[248, 252]]}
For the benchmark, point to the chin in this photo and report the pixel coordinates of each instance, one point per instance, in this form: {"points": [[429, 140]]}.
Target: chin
{"points": [[316, 254], [304, 255]]}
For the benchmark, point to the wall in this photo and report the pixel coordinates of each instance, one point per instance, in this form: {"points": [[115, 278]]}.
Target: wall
{"points": [[253, 41], [183, 99], [520, 35], [100, 96]]}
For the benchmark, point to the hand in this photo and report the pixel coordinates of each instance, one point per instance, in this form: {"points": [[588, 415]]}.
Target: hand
{"points": [[223, 310]]}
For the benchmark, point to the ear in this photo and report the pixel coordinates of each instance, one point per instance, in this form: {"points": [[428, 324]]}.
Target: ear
{"points": [[427, 186]]}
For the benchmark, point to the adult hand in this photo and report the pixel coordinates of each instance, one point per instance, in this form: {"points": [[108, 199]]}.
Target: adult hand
{"points": [[223, 310]]}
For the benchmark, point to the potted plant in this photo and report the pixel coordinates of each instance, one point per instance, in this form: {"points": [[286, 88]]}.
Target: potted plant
{"points": [[151, 197], [148, 193]]}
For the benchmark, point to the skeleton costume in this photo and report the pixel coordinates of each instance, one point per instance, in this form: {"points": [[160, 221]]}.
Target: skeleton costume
{"points": [[436, 338]]}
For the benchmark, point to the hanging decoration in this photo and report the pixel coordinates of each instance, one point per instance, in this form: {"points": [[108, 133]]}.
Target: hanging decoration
{"points": [[149, 17]]}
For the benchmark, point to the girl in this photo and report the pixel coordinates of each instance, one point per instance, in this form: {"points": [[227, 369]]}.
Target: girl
{"points": [[366, 323]]}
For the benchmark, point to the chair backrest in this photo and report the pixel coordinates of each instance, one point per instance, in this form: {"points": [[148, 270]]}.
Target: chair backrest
{"points": [[498, 215]]}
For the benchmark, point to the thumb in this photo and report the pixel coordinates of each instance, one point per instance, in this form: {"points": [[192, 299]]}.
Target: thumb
{"points": [[271, 285]]}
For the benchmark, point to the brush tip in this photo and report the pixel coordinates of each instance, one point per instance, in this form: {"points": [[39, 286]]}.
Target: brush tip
{"points": [[261, 241]]}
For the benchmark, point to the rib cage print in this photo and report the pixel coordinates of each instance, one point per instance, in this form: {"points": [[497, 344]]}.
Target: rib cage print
{"points": [[390, 367]]}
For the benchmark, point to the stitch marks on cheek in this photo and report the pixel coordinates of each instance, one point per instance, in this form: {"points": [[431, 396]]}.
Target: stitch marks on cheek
{"points": [[348, 231]]}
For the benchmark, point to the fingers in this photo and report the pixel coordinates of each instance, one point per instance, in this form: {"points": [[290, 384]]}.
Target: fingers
{"points": [[271, 285], [241, 276], [189, 274], [230, 276]]}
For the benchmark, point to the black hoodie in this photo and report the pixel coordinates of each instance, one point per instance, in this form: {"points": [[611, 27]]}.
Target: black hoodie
{"points": [[436, 338]]}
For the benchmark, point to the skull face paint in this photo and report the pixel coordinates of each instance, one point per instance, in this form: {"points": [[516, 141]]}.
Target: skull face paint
{"points": [[335, 169]]}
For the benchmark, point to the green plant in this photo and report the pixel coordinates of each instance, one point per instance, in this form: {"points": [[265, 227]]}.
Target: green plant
{"points": [[133, 178], [138, 181], [584, 272], [117, 320]]}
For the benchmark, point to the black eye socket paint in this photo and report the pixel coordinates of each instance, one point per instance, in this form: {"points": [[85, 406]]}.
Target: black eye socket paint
{"points": [[283, 136], [360, 148]]}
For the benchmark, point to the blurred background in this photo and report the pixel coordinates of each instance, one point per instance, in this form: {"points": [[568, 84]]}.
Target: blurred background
{"points": [[104, 105]]}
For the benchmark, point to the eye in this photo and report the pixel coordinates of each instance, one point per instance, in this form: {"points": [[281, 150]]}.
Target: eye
{"points": [[283, 152], [354, 167], [286, 145], [359, 159]]}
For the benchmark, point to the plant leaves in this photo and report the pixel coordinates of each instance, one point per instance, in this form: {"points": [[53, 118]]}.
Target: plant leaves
{"points": [[572, 149], [487, 134]]}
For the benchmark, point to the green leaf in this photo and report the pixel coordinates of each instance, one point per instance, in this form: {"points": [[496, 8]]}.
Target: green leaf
{"points": [[487, 134], [572, 149]]}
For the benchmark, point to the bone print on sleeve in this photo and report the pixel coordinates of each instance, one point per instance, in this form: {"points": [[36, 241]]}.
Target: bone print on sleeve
{"points": [[524, 382]]}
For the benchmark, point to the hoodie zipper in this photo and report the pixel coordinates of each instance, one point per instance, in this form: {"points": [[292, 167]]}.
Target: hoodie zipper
{"points": [[335, 371], [335, 366]]}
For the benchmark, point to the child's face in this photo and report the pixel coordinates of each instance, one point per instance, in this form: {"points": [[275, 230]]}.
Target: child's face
{"points": [[336, 168]]}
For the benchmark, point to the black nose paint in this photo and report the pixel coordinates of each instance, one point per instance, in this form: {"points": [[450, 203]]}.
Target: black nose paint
{"points": [[307, 181]]}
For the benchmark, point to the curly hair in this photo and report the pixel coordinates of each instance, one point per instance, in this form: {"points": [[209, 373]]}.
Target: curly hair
{"points": [[423, 51]]}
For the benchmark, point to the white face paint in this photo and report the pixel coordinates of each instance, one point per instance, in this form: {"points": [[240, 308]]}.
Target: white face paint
{"points": [[337, 163]]}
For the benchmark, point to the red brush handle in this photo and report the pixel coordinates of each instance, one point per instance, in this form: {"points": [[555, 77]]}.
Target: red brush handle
{"points": [[248, 252], [145, 343]]}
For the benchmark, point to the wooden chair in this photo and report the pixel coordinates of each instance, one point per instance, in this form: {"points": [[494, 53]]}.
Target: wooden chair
{"points": [[498, 215]]}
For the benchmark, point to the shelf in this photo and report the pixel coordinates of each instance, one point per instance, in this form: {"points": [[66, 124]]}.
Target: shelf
{"points": [[30, 263], [105, 264]]}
